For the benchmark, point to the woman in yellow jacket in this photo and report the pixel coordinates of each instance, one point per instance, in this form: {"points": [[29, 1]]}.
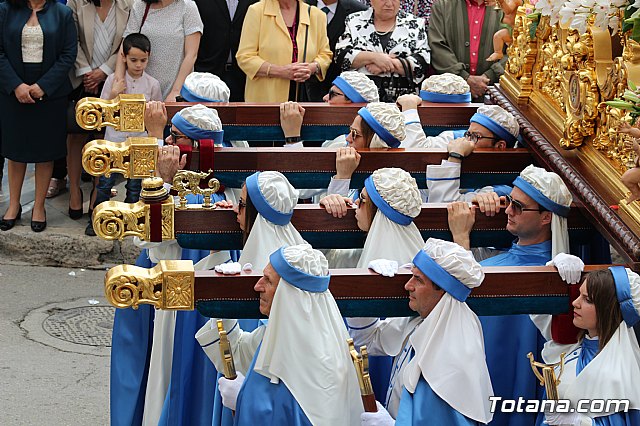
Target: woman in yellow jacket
{"points": [[272, 49]]}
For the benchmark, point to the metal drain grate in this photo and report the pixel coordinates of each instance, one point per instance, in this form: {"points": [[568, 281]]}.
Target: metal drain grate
{"points": [[86, 325]]}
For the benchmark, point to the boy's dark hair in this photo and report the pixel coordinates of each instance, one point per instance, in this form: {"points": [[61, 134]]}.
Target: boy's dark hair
{"points": [[137, 40]]}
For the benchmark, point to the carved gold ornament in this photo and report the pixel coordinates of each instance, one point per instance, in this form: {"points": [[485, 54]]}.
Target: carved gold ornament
{"points": [[572, 77], [114, 220], [168, 285], [124, 113], [188, 182], [134, 158]]}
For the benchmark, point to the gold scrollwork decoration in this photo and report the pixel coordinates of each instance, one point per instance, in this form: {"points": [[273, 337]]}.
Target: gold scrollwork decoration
{"points": [[125, 113], [168, 285], [521, 53], [114, 220], [186, 182], [134, 158]]}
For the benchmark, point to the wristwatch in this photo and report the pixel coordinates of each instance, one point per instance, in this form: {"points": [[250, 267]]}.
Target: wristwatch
{"points": [[456, 155], [292, 139]]}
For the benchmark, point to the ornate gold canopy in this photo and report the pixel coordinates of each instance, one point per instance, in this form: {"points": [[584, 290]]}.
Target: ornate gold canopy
{"points": [[559, 79]]}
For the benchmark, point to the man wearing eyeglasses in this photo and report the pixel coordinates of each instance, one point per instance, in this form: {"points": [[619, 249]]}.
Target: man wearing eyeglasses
{"points": [[490, 127], [537, 210]]}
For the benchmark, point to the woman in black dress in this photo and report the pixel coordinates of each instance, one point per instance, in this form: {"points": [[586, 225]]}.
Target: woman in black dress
{"points": [[38, 47]]}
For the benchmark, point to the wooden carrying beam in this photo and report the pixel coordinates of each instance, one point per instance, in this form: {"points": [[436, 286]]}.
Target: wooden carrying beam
{"points": [[305, 168], [194, 229], [314, 167], [358, 292], [217, 229], [316, 113]]}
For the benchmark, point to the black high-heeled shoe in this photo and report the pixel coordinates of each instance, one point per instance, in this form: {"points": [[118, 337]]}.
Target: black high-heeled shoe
{"points": [[77, 213], [6, 224], [37, 226]]}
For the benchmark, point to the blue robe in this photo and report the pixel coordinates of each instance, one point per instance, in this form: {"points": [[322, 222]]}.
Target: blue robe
{"points": [[425, 407], [130, 355], [193, 384], [589, 349], [261, 402], [508, 339]]}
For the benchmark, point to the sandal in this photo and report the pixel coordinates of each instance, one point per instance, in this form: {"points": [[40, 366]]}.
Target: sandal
{"points": [[56, 186]]}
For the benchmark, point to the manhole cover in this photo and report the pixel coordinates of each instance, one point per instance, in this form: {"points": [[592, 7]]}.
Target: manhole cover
{"points": [[86, 325]]}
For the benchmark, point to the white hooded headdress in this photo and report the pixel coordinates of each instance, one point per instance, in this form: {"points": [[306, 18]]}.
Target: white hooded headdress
{"points": [[448, 344], [275, 199], [304, 314], [548, 190], [357, 87], [204, 87], [614, 373], [392, 234], [386, 121]]}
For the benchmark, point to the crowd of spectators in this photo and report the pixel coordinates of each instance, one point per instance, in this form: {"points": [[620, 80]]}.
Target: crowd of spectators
{"points": [[52, 55]]}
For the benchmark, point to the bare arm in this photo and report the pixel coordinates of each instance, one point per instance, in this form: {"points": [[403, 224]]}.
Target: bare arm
{"points": [[191, 45]]}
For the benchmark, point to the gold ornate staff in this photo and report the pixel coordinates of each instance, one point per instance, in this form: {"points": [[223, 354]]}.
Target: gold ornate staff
{"points": [[225, 352], [548, 377], [125, 113], [361, 363]]}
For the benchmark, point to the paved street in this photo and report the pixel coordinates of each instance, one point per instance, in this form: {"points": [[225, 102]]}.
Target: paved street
{"points": [[54, 337], [57, 382]]}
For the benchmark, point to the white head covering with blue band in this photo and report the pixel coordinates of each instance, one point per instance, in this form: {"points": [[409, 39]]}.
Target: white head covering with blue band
{"points": [[498, 121], [548, 190], [447, 87], [275, 199], [614, 373], [628, 293], [357, 87], [392, 234], [321, 378], [199, 122], [448, 344], [204, 87], [386, 121]]}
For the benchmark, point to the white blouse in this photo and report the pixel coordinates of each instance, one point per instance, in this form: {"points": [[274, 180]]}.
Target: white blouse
{"points": [[32, 44]]}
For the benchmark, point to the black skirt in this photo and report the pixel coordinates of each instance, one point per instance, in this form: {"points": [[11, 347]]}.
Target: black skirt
{"points": [[33, 133]]}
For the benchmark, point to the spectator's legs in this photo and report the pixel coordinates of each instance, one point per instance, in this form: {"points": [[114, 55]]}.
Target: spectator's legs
{"points": [[16, 178], [134, 186], [74, 165], [101, 193], [43, 176], [58, 182]]}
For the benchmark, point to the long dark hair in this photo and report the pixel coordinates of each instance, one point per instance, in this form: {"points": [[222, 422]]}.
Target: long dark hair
{"points": [[367, 133], [601, 289], [250, 215]]}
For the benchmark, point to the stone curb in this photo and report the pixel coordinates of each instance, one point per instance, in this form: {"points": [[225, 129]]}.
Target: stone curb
{"points": [[63, 247]]}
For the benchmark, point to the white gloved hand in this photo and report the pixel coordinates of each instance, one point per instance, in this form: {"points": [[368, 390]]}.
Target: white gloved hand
{"points": [[569, 267], [229, 390], [247, 267], [380, 418], [387, 268], [563, 419], [230, 268]]}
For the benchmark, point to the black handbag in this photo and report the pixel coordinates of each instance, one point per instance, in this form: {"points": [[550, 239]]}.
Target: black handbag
{"points": [[401, 85]]}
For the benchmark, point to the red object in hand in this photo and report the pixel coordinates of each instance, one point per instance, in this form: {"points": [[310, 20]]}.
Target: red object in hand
{"points": [[562, 329]]}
